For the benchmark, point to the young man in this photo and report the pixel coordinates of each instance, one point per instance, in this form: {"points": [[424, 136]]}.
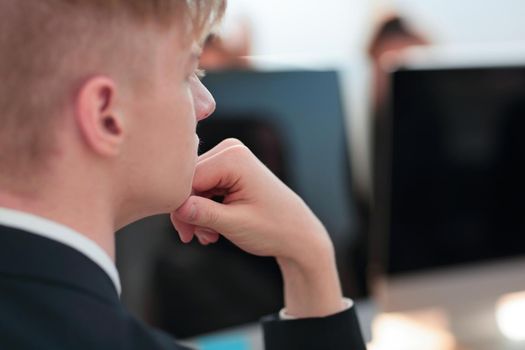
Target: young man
{"points": [[99, 101]]}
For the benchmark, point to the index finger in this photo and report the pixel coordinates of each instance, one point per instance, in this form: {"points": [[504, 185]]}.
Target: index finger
{"points": [[220, 147]]}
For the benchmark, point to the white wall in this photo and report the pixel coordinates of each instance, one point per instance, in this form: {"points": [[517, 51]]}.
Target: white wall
{"points": [[468, 21], [303, 30], [328, 31]]}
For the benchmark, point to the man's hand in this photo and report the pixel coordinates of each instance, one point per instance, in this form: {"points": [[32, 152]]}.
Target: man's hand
{"points": [[262, 216]]}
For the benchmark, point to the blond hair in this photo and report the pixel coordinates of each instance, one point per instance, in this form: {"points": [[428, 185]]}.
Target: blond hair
{"points": [[47, 46]]}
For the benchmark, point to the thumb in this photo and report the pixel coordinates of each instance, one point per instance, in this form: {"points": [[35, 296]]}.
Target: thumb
{"points": [[204, 212]]}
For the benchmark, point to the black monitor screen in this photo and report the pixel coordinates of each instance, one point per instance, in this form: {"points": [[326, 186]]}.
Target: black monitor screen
{"points": [[457, 166]]}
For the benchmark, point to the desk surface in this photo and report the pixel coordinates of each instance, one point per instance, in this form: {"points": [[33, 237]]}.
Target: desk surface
{"points": [[462, 302]]}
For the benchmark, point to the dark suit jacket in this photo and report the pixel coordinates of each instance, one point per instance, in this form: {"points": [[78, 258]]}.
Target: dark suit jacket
{"points": [[53, 297]]}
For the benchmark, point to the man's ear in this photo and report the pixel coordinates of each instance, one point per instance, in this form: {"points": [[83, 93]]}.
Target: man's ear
{"points": [[97, 116]]}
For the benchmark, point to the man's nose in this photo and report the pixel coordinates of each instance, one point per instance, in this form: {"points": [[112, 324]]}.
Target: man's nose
{"points": [[204, 102]]}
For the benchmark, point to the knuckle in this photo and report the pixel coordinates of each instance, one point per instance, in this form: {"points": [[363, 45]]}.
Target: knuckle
{"points": [[238, 156], [239, 151], [230, 142]]}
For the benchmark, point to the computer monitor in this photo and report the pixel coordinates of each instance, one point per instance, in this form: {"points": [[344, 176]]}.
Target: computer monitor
{"points": [[449, 195], [294, 121], [455, 173]]}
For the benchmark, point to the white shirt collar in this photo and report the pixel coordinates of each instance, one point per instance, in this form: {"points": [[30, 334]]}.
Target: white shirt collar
{"points": [[63, 234]]}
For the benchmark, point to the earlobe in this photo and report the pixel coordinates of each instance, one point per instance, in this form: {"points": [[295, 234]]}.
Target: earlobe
{"points": [[97, 117]]}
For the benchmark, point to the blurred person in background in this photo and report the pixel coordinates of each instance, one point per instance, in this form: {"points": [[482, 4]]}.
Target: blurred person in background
{"points": [[99, 103], [392, 35]]}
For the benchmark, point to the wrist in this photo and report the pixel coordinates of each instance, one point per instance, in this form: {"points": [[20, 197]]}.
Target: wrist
{"points": [[311, 282]]}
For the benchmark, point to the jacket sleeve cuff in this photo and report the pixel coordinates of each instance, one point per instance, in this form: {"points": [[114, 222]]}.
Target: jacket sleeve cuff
{"points": [[339, 331]]}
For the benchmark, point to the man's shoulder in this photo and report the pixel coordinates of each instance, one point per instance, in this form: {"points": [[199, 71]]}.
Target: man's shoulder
{"points": [[38, 314]]}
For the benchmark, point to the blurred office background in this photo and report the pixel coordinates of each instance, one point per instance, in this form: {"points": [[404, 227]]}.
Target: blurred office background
{"points": [[400, 123]]}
